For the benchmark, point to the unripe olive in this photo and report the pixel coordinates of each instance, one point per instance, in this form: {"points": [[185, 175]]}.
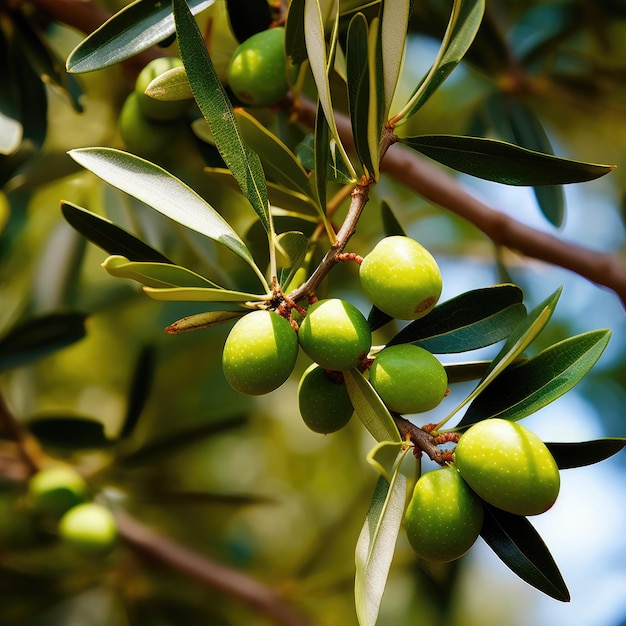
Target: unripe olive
{"points": [[152, 108], [335, 334], [508, 466], [89, 528], [142, 136], [257, 72], [54, 490], [401, 278], [323, 401], [260, 352], [408, 378], [444, 516]]}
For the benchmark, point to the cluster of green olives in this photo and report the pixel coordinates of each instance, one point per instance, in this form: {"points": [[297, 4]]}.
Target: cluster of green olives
{"points": [[261, 350], [61, 493], [257, 73], [148, 126], [496, 461]]}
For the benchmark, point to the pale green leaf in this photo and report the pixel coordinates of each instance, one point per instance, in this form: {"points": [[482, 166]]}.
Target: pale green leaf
{"points": [[199, 294], [154, 274], [370, 408], [162, 191], [376, 544], [203, 320], [170, 85], [383, 457]]}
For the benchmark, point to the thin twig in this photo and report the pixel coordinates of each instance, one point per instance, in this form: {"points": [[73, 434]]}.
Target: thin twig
{"points": [[207, 572]]}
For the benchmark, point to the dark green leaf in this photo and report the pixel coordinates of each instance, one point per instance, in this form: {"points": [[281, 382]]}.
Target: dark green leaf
{"points": [[358, 76], [38, 337], [527, 387], [295, 46], [578, 454], [391, 225], [308, 152], [471, 320], [248, 17], [69, 434], [11, 126], [504, 162], [218, 112], [132, 30], [377, 319], [520, 547], [108, 236], [320, 156], [139, 391]]}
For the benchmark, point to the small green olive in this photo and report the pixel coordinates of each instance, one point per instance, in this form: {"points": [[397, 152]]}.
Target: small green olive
{"points": [[335, 334], [444, 516], [260, 352], [508, 466], [257, 72], [89, 528], [401, 278], [323, 401], [408, 378], [54, 490]]}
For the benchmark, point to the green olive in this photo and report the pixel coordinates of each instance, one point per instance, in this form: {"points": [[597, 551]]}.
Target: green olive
{"points": [[54, 490], [89, 528]]}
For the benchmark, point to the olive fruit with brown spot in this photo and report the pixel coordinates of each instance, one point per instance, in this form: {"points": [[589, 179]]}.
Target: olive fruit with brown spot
{"points": [[444, 516], [401, 278], [508, 466]]}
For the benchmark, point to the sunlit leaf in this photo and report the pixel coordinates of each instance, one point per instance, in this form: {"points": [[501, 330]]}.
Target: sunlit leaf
{"points": [[469, 321], [170, 85], [199, 294], [383, 457], [132, 30], [375, 546], [291, 249], [520, 547], [40, 336], [370, 408], [162, 191], [581, 453], [218, 112], [525, 388], [462, 28], [503, 162], [203, 320], [155, 274], [295, 47]]}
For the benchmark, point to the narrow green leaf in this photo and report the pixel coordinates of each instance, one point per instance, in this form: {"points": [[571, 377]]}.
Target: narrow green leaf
{"points": [[248, 17], [140, 387], [391, 225], [198, 294], [321, 64], [359, 85], [375, 116], [472, 320], [578, 454], [279, 162], [521, 337], [321, 149], [375, 546], [130, 31], [295, 46], [40, 336], [163, 192], [307, 151], [525, 388], [291, 248], [383, 457], [155, 274], [370, 408], [502, 162], [462, 28], [106, 235], [394, 23], [69, 433], [203, 320], [218, 112], [520, 547]]}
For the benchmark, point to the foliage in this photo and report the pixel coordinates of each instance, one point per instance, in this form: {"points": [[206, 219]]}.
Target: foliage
{"points": [[260, 209]]}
